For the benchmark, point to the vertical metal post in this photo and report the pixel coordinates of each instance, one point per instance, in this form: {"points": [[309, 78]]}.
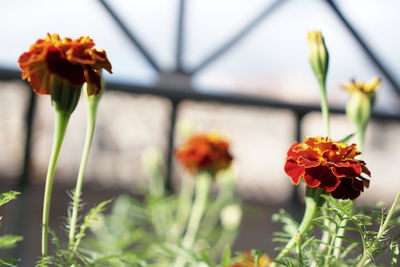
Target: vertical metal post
{"points": [[180, 39], [23, 180], [170, 146], [29, 115]]}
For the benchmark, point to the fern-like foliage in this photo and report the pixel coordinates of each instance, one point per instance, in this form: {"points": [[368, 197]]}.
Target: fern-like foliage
{"points": [[74, 255], [350, 233], [8, 241]]}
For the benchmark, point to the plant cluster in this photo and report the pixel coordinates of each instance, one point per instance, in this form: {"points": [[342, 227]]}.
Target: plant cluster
{"points": [[198, 225]]}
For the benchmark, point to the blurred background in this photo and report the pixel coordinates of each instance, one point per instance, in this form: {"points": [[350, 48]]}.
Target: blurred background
{"points": [[231, 66]]}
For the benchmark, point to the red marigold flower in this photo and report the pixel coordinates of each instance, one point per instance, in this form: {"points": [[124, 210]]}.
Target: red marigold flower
{"points": [[330, 165], [205, 152], [247, 260], [75, 61]]}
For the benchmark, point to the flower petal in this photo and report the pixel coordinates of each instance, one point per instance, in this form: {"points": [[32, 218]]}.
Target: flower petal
{"points": [[294, 171], [327, 180], [64, 68], [351, 170], [347, 189]]}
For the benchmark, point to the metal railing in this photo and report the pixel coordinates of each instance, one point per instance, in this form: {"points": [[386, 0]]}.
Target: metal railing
{"points": [[176, 96]]}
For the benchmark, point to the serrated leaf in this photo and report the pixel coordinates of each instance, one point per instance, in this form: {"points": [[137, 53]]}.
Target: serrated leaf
{"points": [[394, 251], [323, 226], [9, 241], [348, 239], [90, 217], [290, 224], [226, 257], [328, 219], [130, 258], [347, 138], [8, 196], [9, 262], [280, 240], [349, 228], [205, 257]]}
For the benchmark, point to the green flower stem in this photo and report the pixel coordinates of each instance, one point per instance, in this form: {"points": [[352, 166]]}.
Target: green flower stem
{"points": [[327, 132], [368, 251], [361, 136], [184, 207], [300, 259], [203, 183], [225, 195], [226, 238], [91, 123], [313, 202], [341, 231], [324, 107], [338, 241], [60, 125], [332, 243]]}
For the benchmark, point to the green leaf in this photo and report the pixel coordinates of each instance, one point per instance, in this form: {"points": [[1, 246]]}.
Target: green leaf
{"points": [[9, 241], [130, 258], [90, 217], [205, 256], [290, 224], [8, 262], [226, 257], [394, 253], [347, 138], [8, 196]]}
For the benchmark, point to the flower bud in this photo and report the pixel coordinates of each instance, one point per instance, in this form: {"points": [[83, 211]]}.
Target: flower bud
{"points": [[64, 95], [298, 238], [361, 101], [318, 55], [231, 216], [89, 88]]}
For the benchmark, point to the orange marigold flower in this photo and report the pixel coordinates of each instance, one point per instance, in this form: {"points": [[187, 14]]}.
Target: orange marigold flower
{"points": [[75, 61], [330, 165], [247, 260], [205, 152]]}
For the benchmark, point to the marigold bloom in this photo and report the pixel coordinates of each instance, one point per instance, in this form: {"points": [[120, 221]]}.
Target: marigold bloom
{"points": [[247, 260], [205, 152], [75, 61], [369, 87], [330, 165]]}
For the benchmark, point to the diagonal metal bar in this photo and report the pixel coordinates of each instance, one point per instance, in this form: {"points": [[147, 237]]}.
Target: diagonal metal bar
{"points": [[364, 45], [180, 38], [239, 36], [132, 37]]}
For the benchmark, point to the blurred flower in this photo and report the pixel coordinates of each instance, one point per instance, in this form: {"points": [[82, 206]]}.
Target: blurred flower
{"points": [[247, 260], [330, 165], [362, 98], [52, 60], [318, 54], [205, 152]]}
